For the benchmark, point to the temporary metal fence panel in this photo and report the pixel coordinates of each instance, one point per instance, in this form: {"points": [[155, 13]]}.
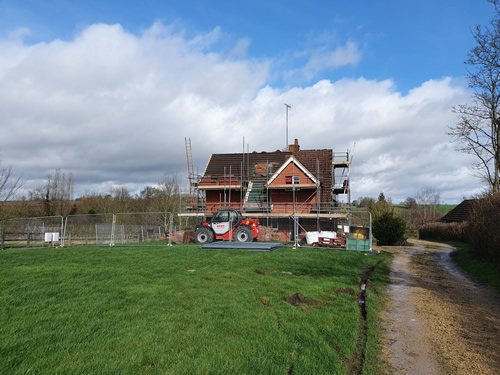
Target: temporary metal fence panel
{"points": [[146, 228], [137, 229], [94, 229], [39, 232]]}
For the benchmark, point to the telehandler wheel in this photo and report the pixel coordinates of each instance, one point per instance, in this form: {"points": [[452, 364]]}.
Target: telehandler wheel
{"points": [[243, 234], [203, 235]]}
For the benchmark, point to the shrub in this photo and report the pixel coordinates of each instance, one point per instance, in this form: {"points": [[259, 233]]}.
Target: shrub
{"points": [[389, 228]]}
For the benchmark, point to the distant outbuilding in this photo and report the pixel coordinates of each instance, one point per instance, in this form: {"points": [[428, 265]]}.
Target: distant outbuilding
{"points": [[460, 213]]}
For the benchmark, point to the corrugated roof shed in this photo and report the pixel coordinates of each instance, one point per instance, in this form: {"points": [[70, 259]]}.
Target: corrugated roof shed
{"points": [[459, 213]]}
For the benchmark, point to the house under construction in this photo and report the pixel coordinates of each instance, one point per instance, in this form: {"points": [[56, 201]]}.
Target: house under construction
{"points": [[291, 191]]}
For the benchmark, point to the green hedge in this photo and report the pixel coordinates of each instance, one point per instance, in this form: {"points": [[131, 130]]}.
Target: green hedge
{"points": [[484, 229]]}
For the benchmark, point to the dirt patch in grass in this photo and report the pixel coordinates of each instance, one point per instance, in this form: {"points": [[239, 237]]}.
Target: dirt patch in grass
{"points": [[298, 298], [347, 363], [262, 272], [265, 301], [348, 291]]}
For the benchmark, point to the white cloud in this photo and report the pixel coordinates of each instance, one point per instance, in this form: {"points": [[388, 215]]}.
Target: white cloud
{"points": [[114, 108], [240, 49], [401, 141], [323, 59], [12, 48], [205, 41]]}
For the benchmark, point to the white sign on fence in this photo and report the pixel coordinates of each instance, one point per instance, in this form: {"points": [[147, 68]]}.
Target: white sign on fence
{"points": [[51, 236]]}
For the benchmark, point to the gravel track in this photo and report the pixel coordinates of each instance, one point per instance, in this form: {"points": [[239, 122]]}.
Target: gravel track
{"points": [[439, 321]]}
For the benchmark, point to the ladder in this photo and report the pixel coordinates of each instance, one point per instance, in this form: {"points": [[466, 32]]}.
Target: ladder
{"points": [[189, 157], [347, 182]]}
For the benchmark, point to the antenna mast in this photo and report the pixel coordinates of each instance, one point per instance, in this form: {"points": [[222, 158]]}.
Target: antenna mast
{"points": [[288, 106]]}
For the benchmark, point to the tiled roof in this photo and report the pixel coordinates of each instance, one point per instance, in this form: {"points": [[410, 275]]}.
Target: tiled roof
{"points": [[314, 160], [318, 162], [234, 162]]}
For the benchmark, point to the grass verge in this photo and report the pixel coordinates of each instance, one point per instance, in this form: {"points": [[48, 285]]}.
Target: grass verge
{"points": [[377, 301], [482, 271], [182, 310]]}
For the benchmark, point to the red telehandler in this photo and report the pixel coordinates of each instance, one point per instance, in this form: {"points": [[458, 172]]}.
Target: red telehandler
{"points": [[227, 224]]}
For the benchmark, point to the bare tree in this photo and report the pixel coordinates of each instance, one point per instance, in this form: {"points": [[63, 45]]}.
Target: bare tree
{"points": [[9, 185], [56, 194], [478, 129], [122, 200], [429, 199], [169, 197]]}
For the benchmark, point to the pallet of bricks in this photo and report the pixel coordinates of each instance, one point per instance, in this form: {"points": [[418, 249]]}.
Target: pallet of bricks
{"points": [[336, 243]]}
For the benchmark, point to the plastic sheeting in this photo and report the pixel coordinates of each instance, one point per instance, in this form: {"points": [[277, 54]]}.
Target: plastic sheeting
{"points": [[313, 237]]}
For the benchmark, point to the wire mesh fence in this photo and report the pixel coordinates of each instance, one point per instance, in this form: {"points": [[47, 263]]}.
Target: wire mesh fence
{"points": [[144, 227], [343, 229], [350, 230], [139, 228], [95, 229], [46, 231]]}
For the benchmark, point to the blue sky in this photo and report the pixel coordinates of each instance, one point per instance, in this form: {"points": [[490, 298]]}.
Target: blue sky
{"points": [[373, 72], [408, 41]]}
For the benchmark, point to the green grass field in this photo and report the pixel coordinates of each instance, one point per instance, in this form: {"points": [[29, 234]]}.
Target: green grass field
{"points": [[442, 209], [183, 310]]}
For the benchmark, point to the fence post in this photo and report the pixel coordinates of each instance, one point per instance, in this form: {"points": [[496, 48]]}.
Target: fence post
{"points": [[113, 225], [1, 233], [63, 229], [64, 232], [170, 229], [370, 238]]}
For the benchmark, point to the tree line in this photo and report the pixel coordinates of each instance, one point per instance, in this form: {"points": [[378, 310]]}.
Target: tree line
{"points": [[55, 198]]}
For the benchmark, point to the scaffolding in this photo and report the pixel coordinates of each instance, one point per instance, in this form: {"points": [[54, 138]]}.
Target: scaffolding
{"points": [[243, 185], [341, 172]]}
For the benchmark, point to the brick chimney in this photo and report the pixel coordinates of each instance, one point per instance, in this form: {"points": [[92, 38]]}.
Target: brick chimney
{"points": [[294, 147]]}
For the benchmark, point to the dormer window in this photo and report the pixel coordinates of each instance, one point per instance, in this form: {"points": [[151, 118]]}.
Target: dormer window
{"points": [[292, 180]]}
